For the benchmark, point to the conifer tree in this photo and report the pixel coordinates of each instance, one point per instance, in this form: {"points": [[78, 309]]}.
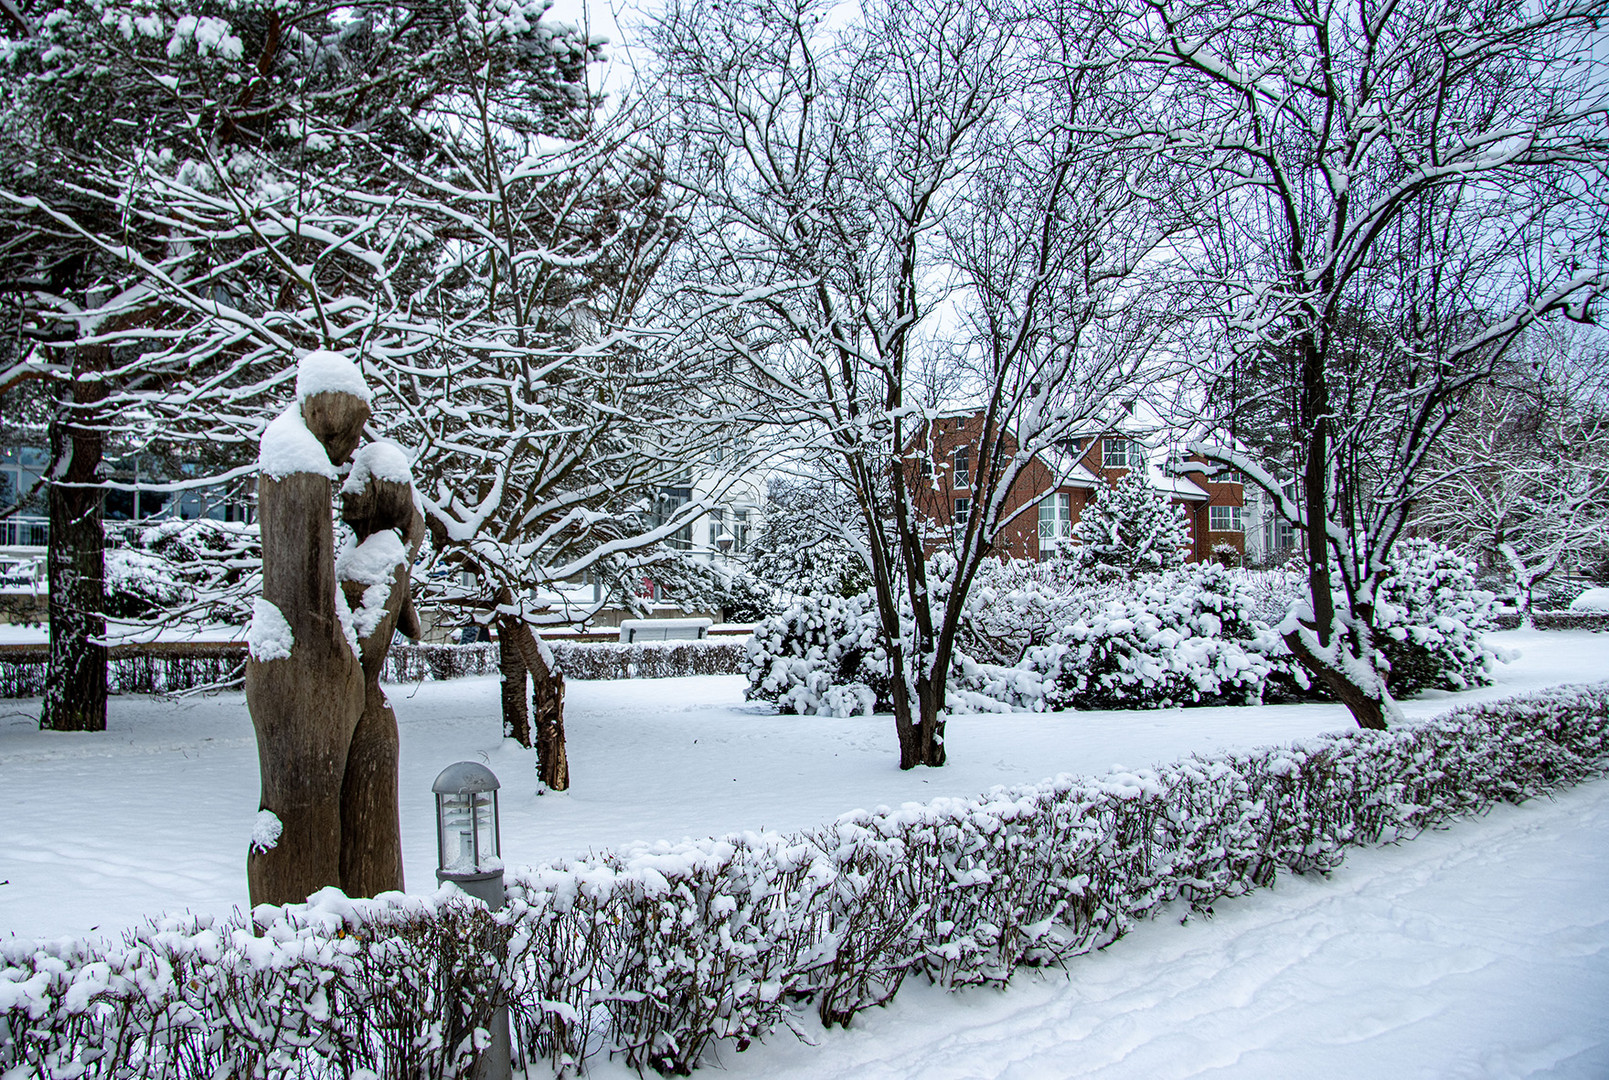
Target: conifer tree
{"points": [[1129, 529]]}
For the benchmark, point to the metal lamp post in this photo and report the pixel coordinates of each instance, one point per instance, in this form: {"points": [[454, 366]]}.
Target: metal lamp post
{"points": [[469, 850]]}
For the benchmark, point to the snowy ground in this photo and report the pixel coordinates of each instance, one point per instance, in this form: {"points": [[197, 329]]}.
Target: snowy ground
{"points": [[1497, 929]]}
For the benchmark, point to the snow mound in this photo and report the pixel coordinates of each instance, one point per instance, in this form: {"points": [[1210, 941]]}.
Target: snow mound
{"points": [[1591, 600], [287, 447], [269, 636], [324, 372]]}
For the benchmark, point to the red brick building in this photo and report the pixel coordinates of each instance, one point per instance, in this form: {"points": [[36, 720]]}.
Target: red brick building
{"points": [[1053, 489]]}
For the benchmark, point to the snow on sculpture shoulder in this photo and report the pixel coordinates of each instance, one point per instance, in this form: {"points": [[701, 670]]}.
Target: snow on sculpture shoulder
{"points": [[325, 372], [269, 636], [287, 447]]}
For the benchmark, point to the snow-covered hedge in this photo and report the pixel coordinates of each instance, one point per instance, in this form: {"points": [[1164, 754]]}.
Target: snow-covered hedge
{"points": [[650, 659], [1556, 620], [657, 953], [576, 659], [152, 668]]}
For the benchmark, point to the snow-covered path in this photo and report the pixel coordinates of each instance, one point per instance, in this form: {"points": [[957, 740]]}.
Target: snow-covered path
{"points": [[1481, 951]]}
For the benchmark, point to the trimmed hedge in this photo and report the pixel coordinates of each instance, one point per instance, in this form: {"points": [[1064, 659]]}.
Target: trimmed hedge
{"points": [[1556, 620], [655, 953], [173, 667], [160, 667], [577, 660]]}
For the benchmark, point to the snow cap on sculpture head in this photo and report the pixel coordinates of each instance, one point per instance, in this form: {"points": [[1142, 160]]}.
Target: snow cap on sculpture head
{"points": [[334, 400], [378, 493]]}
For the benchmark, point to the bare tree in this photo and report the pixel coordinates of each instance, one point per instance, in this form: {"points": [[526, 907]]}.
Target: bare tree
{"points": [[1409, 186], [1522, 476], [928, 187]]}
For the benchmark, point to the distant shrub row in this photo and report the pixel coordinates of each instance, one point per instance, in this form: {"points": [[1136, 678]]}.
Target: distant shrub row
{"points": [[1556, 620], [165, 668], [1031, 639], [656, 954]]}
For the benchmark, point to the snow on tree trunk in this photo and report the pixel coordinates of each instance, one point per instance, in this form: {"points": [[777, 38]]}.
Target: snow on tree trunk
{"points": [[75, 682]]}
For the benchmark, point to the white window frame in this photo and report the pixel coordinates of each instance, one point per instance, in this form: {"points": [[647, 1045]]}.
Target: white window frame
{"points": [[1121, 453], [1232, 513], [1057, 525], [963, 511], [961, 462]]}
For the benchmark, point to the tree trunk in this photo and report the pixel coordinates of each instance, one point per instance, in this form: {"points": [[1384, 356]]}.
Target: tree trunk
{"points": [[906, 729], [516, 692], [1366, 708], [552, 758], [75, 682], [929, 727]]}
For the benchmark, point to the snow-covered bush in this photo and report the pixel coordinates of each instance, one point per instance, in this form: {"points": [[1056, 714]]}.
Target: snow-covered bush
{"points": [[821, 656], [1014, 606], [1037, 637], [1184, 637], [1430, 619], [139, 584], [657, 952], [1592, 600]]}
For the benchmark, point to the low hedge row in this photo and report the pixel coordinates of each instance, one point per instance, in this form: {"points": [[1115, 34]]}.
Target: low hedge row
{"points": [[576, 659], [1556, 620], [172, 667], [654, 954], [151, 668]]}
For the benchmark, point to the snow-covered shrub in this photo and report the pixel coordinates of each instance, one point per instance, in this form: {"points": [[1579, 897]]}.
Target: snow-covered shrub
{"points": [[1014, 606], [217, 563], [1430, 618], [821, 656], [1592, 600], [139, 583], [1184, 637], [397, 986], [657, 952]]}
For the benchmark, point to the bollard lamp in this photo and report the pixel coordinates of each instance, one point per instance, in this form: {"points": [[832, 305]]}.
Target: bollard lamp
{"points": [[468, 836], [469, 853]]}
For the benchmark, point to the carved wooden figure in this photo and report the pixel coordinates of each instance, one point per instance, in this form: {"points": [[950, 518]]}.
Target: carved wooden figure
{"points": [[326, 739]]}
